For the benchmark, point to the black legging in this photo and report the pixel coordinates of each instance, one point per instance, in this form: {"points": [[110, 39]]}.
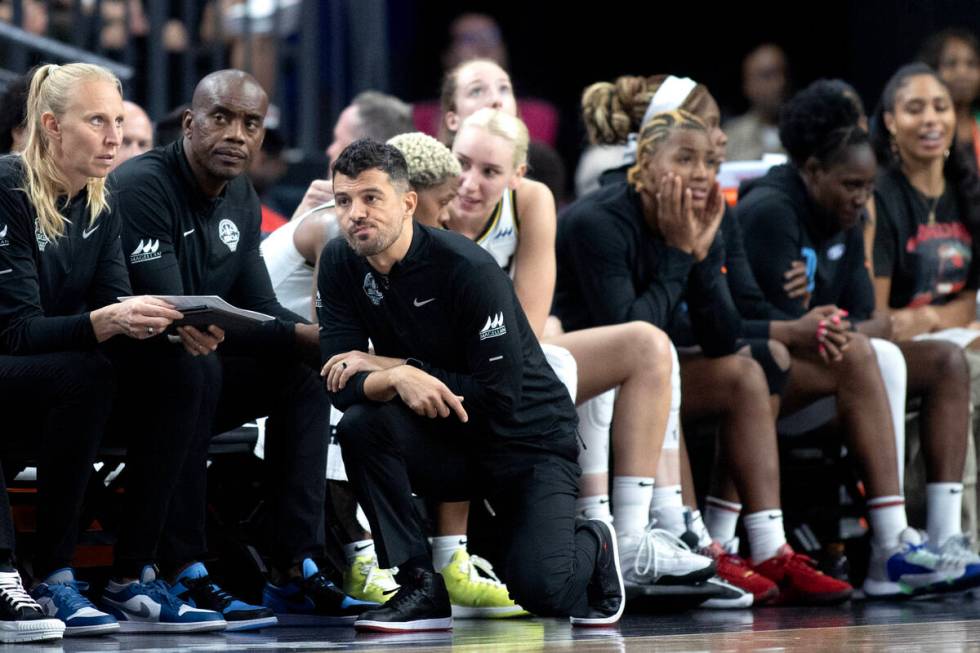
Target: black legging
{"points": [[54, 407], [390, 452]]}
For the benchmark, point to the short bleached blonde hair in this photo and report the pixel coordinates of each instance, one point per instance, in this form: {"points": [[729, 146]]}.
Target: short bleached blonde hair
{"points": [[430, 163]]}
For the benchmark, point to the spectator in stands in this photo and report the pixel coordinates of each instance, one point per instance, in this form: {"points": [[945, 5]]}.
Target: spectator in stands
{"points": [[192, 227], [61, 360], [170, 127], [137, 134], [13, 105], [765, 82], [478, 36], [480, 83], [370, 115], [955, 54], [815, 206]]}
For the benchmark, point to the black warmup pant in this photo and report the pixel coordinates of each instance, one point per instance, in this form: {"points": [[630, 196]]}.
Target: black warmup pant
{"points": [[390, 452], [240, 389], [54, 407]]}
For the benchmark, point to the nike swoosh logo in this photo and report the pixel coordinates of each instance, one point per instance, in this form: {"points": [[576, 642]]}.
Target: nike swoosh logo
{"points": [[418, 303], [462, 542], [88, 232], [645, 484], [143, 612], [188, 233], [361, 548], [775, 516], [7, 271]]}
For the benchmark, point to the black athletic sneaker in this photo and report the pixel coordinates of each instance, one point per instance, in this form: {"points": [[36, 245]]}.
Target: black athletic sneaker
{"points": [[312, 601], [194, 587], [607, 595], [21, 618], [421, 603]]}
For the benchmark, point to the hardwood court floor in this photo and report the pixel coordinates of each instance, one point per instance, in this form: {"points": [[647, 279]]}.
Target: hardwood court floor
{"points": [[948, 624]]}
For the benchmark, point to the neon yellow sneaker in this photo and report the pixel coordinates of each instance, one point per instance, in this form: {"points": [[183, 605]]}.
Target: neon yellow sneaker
{"points": [[475, 591], [366, 581]]}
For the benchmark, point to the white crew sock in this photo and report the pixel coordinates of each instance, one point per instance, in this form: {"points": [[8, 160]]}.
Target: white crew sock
{"points": [[943, 504], [721, 518], [594, 507], [631, 499], [888, 520], [667, 507], [358, 549], [443, 548], [765, 532], [667, 496]]}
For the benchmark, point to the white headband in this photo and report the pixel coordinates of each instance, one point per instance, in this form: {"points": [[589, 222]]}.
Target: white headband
{"points": [[669, 96]]}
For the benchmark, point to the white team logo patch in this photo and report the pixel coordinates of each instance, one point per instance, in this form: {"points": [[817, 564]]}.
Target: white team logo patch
{"points": [[147, 250], [4, 241], [42, 239], [494, 327], [836, 251], [319, 302], [371, 289], [229, 234]]}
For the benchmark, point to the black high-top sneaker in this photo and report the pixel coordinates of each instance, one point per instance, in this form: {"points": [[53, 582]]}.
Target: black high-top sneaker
{"points": [[21, 618], [421, 603], [607, 595]]}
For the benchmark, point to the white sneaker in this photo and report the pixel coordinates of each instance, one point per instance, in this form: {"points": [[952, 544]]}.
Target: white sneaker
{"points": [[912, 568], [654, 556]]}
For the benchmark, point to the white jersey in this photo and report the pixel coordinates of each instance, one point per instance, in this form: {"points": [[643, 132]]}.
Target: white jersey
{"points": [[500, 236], [289, 271]]}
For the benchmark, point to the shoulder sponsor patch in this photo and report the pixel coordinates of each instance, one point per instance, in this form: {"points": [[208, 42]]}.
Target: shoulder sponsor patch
{"points": [[494, 327]]}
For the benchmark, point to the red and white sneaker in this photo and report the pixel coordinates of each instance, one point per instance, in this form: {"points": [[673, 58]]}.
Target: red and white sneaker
{"points": [[736, 571], [799, 581]]}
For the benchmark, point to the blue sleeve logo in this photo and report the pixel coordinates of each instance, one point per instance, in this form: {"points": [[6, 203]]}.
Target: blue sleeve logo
{"points": [[810, 258]]}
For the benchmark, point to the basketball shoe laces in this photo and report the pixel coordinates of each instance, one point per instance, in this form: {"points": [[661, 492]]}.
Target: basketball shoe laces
{"points": [[646, 552], [13, 592]]}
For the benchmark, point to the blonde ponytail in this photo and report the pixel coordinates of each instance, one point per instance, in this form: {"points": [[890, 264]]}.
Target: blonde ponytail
{"points": [[51, 90]]}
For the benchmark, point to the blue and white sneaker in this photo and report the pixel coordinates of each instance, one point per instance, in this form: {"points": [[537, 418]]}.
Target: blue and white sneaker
{"points": [[312, 601], [194, 587], [912, 569], [147, 606], [60, 596]]}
